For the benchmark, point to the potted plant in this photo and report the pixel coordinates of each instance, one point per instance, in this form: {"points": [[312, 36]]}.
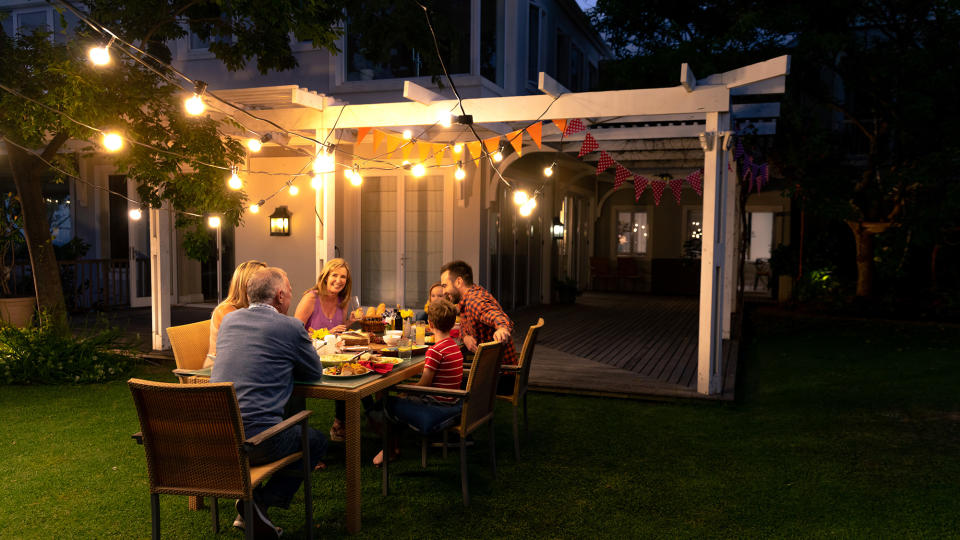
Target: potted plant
{"points": [[14, 310]]}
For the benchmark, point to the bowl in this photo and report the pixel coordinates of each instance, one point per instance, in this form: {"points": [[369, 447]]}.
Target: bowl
{"points": [[391, 337], [332, 360]]}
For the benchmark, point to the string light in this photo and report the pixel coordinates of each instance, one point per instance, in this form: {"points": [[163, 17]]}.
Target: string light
{"points": [[418, 170], [460, 174], [254, 208], [498, 155], [294, 190], [112, 141], [407, 134], [254, 144], [355, 178], [135, 214], [548, 171], [235, 182], [316, 182], [527, 208], [324, 163], [520, 197], [195, 105], [458, 148], [444, 118], [100, 56], [213, 222]]}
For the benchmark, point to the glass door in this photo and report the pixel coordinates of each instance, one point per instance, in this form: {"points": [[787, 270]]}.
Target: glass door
{"points": [[422, 237], [379, 249], [138, 236]]}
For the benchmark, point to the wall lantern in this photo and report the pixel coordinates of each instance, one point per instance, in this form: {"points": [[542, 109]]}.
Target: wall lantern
{"points": [[280, 222], [557, 229]]}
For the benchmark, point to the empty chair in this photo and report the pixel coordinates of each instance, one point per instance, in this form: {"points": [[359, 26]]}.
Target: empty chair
{"points": [[522, 371], [190, 343], [194, 443]]}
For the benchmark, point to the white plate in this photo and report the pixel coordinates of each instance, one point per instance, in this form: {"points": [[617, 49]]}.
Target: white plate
{"points": [[356, 348]]}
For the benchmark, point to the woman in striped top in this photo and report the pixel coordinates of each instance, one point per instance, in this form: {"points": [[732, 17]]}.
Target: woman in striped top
{"points": [[443, 369]]}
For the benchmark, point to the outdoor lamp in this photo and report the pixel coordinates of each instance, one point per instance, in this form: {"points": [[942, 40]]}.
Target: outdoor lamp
{"points": [[557, 229], [280, 222]]}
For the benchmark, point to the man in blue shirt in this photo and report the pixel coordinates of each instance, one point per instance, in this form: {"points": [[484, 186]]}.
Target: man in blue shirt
{"points": [[261, 351]]}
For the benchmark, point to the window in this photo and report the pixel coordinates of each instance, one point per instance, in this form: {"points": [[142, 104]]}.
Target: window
{"points": [[491, 40], [533, 44], [197, 43], [632, 233], [693, 233], [576, 69], [27, 22], [563, 59]]}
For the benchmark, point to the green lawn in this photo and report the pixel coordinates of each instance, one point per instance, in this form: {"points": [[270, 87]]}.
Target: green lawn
{"points": [[845, 429]]}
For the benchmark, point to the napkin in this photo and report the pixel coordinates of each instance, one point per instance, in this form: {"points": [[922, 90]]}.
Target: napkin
{"points": [[376, 366]]}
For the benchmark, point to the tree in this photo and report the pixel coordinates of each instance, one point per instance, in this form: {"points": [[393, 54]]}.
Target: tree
{"points": [[47, 82]]}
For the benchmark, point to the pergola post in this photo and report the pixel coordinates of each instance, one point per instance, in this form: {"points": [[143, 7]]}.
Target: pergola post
{"points": [[713, 252], [160, 275], [731, 266]]}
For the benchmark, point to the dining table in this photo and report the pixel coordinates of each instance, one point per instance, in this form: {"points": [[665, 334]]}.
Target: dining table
{"points": [[351, 391]]}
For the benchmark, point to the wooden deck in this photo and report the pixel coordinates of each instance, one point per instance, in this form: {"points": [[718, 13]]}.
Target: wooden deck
{"points": [[623, 345]]}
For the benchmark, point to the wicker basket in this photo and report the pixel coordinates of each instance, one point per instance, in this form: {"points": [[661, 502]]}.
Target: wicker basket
{"points": [[372, 324]]}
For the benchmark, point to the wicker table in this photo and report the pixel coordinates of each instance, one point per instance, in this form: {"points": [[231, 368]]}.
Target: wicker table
{"points": [[350, 391]]}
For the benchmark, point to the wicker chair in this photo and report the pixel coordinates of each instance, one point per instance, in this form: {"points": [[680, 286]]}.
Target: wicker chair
{"points": [[522, 371], [478, 402], [190, 343], [194, 442]]}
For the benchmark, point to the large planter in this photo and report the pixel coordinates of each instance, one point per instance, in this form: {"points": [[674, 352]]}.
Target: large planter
{"points": [[17, 311]]}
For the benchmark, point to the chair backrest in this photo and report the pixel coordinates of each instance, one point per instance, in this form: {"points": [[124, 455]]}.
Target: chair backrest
{"points": [[526, 358], [190, 343], [481, 386], [193, 437]]}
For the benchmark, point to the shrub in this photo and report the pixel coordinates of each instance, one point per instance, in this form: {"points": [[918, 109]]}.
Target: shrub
{"points": [[43, 355]]}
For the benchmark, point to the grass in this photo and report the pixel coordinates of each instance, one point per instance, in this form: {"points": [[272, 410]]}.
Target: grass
{"points": [[842, 428]]}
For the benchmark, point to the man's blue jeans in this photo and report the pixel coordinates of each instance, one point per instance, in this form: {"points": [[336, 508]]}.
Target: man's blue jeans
{"points": [[279, 490]]}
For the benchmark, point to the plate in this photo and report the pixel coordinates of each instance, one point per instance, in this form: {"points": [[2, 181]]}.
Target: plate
{"points": [[357, 348], [325, 374]]}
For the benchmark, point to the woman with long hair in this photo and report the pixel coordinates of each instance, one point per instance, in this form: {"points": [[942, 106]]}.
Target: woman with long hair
{"points": [[323, 305], [236, 299]]}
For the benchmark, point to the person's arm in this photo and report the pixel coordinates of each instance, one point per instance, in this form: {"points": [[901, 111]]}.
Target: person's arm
{"points": [[426, 379], [306, 362], [305, 307], [491, 314]]}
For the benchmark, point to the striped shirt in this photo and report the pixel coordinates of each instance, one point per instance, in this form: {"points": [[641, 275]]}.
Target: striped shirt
{"points": [[445, 360]]}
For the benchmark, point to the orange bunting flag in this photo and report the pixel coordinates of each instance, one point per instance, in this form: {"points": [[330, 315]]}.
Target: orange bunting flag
{"points": [[516, 140], [423, 150], [492, 144], [405, 148], [535, 131], [392, 143], [475, 149], [561, 125], [377, 139], [438, 148], [362, 134]]}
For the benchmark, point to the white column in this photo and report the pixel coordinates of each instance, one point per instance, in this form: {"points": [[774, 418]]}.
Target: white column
{"points": [[160, 266], [325, 202], [731, 217], [709, 368]]}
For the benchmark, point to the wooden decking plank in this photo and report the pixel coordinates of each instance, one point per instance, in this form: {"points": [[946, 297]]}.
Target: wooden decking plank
{"points": [[672, 319], [651, 331]]}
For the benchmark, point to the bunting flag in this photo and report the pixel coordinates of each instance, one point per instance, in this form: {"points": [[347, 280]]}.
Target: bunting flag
{"points": [[561, 125], [475, 149], [604, 163], [362, 134], [762, 176], [695, 179], [377, 139], [620, 176], [392, 143], [738, 150], [589, 145], [438, 150], [423, 150], [748, 176], [574, 126], [676, 186], [405, 148], [516, 141], [492, 144], [657, 188], [535, 130], [639, 184]]}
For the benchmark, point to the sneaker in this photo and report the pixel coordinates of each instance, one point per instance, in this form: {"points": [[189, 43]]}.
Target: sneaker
{"points": [[262, 526], [338, 434]]}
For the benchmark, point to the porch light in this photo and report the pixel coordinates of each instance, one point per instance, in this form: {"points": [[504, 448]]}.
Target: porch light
{"points": [[557, 229], [280, 222]]}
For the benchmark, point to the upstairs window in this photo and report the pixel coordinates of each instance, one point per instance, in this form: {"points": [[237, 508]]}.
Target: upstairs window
{"points": [[534, 29], [26, 22]]}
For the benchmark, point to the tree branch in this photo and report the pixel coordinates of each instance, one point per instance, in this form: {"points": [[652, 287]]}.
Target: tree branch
{"points": [[149, 34], [54, 145]]}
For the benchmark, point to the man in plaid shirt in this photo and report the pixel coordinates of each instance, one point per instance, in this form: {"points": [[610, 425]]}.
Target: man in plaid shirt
{"points": [[481, 317]]}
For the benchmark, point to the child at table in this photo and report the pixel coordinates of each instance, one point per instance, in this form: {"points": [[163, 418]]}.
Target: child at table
{"points": [[443, 369]]}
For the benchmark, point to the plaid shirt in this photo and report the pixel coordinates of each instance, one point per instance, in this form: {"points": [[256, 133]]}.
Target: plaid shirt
{"points": [[481, 315]]}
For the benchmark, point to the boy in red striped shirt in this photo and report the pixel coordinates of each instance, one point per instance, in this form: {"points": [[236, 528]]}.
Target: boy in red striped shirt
{"points": [[443, 369]]}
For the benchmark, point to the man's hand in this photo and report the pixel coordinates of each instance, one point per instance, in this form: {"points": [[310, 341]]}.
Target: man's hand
{"points": [[502, 334], [471, 343]]}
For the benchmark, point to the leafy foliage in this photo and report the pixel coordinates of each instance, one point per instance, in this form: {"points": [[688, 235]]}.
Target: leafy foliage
{"points": [[45, 355]]}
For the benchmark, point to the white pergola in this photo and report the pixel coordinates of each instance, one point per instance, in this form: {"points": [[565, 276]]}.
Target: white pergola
{"points": [[700, 109]]}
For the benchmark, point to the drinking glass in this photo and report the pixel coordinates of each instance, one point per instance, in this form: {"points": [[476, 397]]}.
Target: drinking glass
{"points": [[404, 349], [353, 306], [421, 332]]}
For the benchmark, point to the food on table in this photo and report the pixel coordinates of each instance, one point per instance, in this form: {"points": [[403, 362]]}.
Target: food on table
{"points": [[430, 339], [346, 369], [357, 314], [381, 309], [351, 339], [330, 360], [371, 311]]}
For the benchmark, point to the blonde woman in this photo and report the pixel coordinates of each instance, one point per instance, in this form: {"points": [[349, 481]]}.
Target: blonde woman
{"points": [[324, 305], [236, 299]]}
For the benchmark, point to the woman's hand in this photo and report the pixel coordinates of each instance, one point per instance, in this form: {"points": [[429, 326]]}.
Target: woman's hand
{"points": [[338, 328]]}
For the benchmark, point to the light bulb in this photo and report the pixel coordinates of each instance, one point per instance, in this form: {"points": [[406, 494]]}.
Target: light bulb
{"points": [[460, 174], [316, 182], [195, 105], [548, 171], [100, 56], [213, 222], [407, 135], [294, 190], [498, 156], [324, 163], [444, 118], [235, 182], [458, 148], [254, 144], [418, 170], [135, 214], [527, 208], [520, 197], [112, 141], [355, 178], [254, 208], [348, 173]]}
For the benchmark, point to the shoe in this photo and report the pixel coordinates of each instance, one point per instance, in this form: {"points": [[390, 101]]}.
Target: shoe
{"points": [[338, 433], [262, 526], [238, 522]]}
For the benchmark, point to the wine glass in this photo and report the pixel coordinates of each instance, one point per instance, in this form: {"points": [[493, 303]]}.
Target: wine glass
{"points": [[353, 306]]}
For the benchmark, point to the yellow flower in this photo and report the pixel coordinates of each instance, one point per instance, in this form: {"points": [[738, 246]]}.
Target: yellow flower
{"points": [[320, 334], [406, 313]]}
